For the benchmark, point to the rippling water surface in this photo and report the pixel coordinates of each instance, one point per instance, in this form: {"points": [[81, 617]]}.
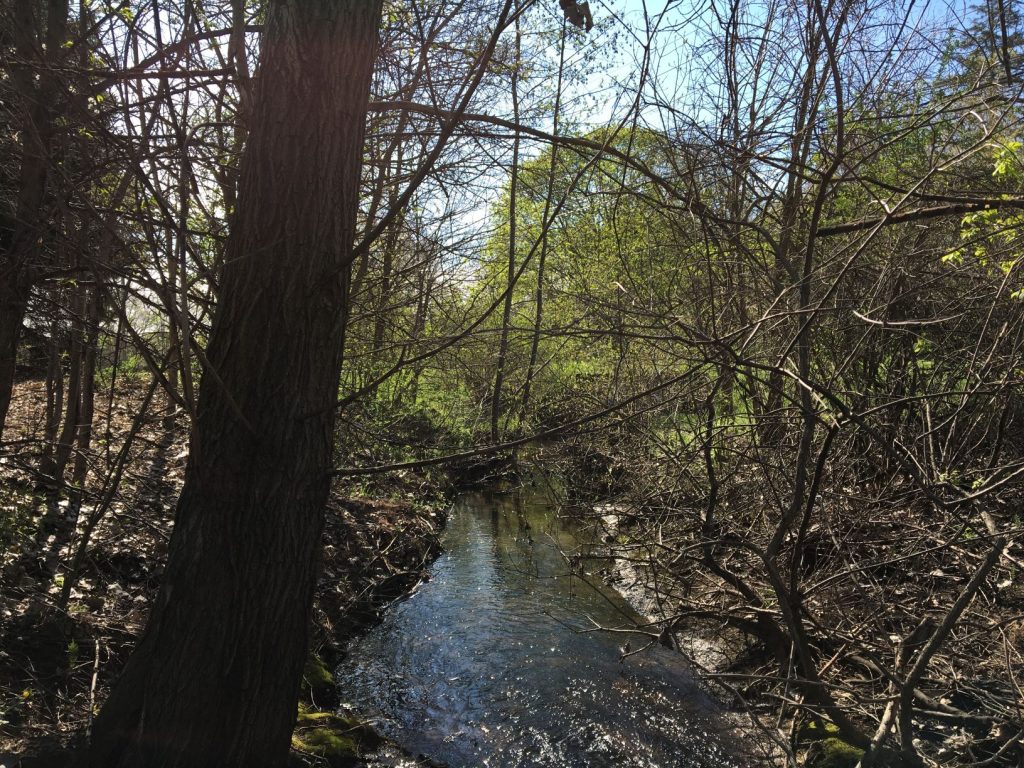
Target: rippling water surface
{"points": [[494, 661]]}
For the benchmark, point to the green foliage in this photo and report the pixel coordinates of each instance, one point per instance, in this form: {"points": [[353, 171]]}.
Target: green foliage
{"points": [[613, 253], [131, 366], [991, 237]]}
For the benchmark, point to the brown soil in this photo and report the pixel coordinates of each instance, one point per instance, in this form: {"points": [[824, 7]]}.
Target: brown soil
{"points": [[56, 665]]}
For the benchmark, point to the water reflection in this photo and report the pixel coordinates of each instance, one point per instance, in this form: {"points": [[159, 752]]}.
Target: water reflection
{"points": [[494, 661]]}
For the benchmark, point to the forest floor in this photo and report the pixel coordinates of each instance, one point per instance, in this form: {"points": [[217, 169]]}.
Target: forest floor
{"points": [[62, 644], [970, 704]]}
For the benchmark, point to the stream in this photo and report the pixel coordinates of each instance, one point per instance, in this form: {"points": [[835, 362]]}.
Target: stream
{"points": [[495, 660]]}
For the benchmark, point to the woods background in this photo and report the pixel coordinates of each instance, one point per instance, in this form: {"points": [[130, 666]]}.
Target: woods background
{"points": [[752, 271]]}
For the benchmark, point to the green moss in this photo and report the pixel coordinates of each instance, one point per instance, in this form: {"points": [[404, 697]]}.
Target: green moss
{"points": [[316, 674], [812, 730], [827, 749], [324, 742], [309, 718], [318, 683], [338, 750], [836, 753], [338, 740]]}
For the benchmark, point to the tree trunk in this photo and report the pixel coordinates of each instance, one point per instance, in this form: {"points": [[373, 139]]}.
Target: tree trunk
{"points": [[214, 680], [14, 294], [545, 222], [54, 392], [87, 409], [513, 191], [20, 253], [69, 429]]}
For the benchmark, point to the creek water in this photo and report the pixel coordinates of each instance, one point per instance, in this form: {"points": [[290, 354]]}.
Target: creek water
{"points": [[495, 661]]}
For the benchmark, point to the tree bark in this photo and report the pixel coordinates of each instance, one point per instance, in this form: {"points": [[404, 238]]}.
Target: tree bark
{"points": [[66, 441], [14, 295], [546, 220], [21, 256], [513, 191], [215, 678], [87, 409]]}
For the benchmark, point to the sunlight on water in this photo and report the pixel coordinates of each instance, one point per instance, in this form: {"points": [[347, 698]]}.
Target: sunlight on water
{"points": [[494, 661]]}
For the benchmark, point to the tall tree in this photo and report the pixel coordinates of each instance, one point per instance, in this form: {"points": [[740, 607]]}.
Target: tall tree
{"points": [[38, 46], [215, 678]]}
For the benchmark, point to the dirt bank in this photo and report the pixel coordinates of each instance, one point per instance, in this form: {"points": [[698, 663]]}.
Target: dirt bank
{"points": [[66, 632]]}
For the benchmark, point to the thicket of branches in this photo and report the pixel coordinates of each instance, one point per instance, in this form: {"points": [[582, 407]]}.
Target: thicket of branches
{"points": [[761, 270]]}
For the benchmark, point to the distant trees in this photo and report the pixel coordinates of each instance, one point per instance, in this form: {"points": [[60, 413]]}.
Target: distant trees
{"points": [[839, 329], [816, 286]]}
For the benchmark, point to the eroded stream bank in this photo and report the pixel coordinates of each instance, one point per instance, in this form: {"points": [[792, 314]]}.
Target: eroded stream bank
{"points": [[496, 660]]}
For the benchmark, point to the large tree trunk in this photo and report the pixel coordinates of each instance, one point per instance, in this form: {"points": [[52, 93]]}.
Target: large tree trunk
{"points": [[215, 678]]}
